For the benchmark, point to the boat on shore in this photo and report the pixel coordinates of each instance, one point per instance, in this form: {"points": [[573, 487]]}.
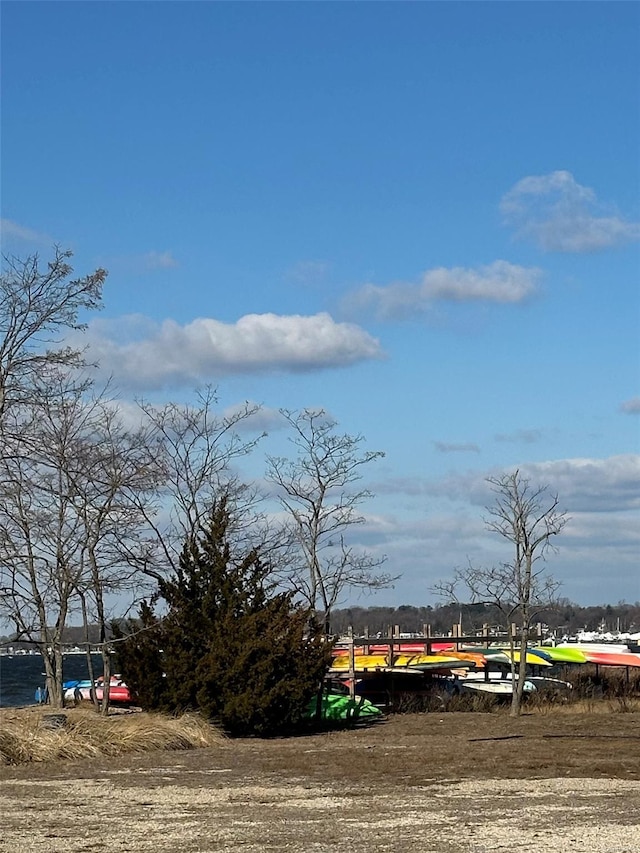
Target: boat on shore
{"points": [[78, 691], [497, 687]]}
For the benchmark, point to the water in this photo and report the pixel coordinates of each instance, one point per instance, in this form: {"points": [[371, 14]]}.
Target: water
{"points": [[21, 675]]}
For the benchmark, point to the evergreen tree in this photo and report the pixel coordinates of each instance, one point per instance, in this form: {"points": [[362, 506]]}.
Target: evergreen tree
{"points": [[139, 658], [233, 646]]}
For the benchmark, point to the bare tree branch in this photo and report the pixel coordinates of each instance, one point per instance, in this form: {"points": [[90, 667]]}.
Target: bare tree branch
{"points": [[528, 518], [316, 489], [37, 307]]}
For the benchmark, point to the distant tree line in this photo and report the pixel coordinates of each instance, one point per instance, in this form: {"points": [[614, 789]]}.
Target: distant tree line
{"points": [[564, 617]]}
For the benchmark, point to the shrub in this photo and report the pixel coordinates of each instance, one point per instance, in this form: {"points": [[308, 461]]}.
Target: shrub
{"points": [[230, 645]]}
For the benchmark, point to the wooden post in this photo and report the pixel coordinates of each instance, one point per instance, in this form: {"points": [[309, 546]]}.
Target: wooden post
{"points": [[426, 632], [352, 665], [365, 648], [393, 634]]}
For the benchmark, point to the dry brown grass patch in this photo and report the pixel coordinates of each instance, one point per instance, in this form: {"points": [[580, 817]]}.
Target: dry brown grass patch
{"points": [[581, 705], [24, 736]]}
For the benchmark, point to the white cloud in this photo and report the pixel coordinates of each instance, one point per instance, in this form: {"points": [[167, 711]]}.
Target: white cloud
{"points": [[499, 281], [561, 215], [129, 412], [589, 485], [145, 355], [583, 485], [631, 407], [264, 419], [12, 230], [597, 553]]}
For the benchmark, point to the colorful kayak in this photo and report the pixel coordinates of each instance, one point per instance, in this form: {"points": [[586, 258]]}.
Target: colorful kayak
{"points": [[377, 648], [479, 659], [421, 661], [339, 707], [77, 691], [557, 654], [503, 656], [613, 658], [586, 648]]}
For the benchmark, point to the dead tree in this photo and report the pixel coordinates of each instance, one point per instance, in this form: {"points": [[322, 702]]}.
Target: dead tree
{"points": [[38, 307], [528, 517], [192, 451], [316, 489]]}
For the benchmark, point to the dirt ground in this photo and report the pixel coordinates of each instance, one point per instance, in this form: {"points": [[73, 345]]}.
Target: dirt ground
{"points": [[424, 783]]}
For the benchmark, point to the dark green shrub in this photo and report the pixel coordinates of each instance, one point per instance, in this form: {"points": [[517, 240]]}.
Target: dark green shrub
{"points": [[233, 647], [139, 658]]}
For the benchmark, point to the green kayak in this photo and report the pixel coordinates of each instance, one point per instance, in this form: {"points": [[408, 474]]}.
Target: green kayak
{"points": [[338, 706], [561, 655]]}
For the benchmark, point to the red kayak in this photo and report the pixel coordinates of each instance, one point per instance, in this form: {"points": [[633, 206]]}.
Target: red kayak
{"points": [[398, 648], [117, 693], [612, 658]]}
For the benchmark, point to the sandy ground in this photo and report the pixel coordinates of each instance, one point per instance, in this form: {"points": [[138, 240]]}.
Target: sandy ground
{"points": [[455, 783]]}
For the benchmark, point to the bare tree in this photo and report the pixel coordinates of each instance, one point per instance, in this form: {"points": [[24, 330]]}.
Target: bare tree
{"points": [[192, 450], [114, 485], [66, 516], [37, 307], [40, 533], [528, 517], [316, 489]]}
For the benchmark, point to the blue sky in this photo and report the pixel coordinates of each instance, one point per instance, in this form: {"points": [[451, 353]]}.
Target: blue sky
{"points": [[422, 217]]}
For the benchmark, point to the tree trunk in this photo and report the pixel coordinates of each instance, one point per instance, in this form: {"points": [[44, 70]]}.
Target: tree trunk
{"points": [[515, 704], [518, 691], [52, 659], [106, 666], [90, 671]]}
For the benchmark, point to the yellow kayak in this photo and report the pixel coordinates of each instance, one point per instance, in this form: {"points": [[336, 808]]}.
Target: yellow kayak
{"points": [[504, 656], [424, 662]]}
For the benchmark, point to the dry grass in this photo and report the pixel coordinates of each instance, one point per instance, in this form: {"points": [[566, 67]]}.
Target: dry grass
{"points": [[579, 705], [25, 737], [417, 783]]}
